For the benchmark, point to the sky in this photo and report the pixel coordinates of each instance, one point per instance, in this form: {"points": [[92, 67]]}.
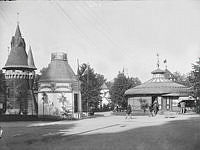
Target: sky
{"points": [[109, 35]]}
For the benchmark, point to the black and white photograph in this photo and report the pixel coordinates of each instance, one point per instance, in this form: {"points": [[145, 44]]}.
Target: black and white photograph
{"points": [[99, 74]]}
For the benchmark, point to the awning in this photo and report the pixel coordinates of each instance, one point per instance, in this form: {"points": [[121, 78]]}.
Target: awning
{"points": [[189, 98], [176, 94]]}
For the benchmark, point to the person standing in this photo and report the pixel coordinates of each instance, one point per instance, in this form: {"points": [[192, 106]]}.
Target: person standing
{"points": [[128, 111], [151, 110], [1, 132], [155, 107], [182, 107]]}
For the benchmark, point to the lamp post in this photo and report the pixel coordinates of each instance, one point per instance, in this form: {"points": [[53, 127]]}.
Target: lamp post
{"points": [[43, 105]]}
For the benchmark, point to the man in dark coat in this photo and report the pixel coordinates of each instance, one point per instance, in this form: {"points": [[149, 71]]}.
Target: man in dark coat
{"points": [[128, 111]]}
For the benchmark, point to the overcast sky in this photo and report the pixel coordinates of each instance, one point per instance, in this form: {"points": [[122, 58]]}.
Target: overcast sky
{"points": [[109, 35]]}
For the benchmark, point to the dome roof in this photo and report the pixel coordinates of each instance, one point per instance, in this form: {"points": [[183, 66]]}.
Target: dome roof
{"points": [[157, 85], [58, 70], [150, 87]]}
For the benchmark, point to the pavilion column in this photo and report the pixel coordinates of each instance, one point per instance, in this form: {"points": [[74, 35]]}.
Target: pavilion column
{"points": [[164, 103], [170, 102]]}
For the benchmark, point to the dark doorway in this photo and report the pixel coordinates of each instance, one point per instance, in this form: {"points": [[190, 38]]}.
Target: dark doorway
{"points": [[75, 103], [153, 99]]}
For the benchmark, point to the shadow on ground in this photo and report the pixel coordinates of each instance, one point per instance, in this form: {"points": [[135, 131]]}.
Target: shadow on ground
{"points": [[20, 137], [174, 135]]}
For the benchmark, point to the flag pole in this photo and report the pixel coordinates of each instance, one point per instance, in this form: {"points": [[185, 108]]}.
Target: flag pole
{"points": [[79, 100]]}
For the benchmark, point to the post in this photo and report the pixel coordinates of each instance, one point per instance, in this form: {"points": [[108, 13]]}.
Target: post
{"points": [[43, 107], [78, 96]]}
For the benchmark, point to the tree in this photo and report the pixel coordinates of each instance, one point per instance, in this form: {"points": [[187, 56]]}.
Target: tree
{"points": [[37, 78], [91, 83], [118, 88], [195, 80], [183, 79], [43, 70], [196, 77]]}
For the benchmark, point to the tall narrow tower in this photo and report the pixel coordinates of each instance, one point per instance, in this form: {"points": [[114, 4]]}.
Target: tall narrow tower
{"points": [[19, 76]]}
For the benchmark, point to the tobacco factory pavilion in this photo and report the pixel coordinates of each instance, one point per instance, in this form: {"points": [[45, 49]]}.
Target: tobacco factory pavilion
{"points": [[161, 88], [59, 90]]}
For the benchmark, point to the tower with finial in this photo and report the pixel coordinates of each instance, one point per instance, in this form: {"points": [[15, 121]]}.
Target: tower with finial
{"points": [[19, 74]]}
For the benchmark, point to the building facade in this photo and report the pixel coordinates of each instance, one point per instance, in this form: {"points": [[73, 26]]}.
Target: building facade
{"points": [[19, 76], [160, 88], [59, 89], [2, 93]]}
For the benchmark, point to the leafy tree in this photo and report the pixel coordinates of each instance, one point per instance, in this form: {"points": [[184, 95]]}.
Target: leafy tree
{"points": [[109, 84], [196, 77], [118, 88], [91, 83], [37, 78], [43, 70], [195, 80], [183, 79]]}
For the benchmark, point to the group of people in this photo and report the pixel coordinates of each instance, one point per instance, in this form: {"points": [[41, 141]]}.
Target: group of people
{"points": [[153, 109]]}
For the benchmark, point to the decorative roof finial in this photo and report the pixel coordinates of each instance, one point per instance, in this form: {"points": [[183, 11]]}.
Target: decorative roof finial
{"points": [[17, 18], [165, 62], [158, 61], [17, 32]]}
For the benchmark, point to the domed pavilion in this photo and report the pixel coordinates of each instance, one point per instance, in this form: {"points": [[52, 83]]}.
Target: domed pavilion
{"points": [[59, 88], [160, 88]]}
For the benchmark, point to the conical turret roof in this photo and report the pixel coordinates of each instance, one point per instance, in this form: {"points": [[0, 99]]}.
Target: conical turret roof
{"points": [[31, 63], [18, 32], [18, 56], [58, 70]]}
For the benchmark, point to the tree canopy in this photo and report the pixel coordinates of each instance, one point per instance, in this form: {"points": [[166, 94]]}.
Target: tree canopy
{"points": [[91, 83], [195, 79], [183, 79], [120, 85]]}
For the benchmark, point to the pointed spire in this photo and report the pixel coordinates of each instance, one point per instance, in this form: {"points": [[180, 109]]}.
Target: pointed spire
{"points": [[17, 32], [17, 57], [31, 63], [158, 61]]}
